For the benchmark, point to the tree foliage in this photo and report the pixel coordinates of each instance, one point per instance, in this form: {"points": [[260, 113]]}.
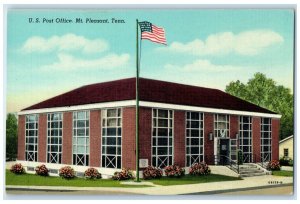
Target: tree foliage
{"points": [[264, 92], [11, 136]]}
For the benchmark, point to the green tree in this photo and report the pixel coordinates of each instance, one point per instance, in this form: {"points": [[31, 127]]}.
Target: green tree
{"points": [[11, 136], [264, 92]]}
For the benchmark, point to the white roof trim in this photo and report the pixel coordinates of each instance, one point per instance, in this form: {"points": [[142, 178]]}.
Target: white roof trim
{"points": [[287, 138], [147, 104], [209, 110], [80, 107]]}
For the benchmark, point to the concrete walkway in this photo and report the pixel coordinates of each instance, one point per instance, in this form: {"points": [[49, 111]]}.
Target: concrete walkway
{"points": [[250, 182]]}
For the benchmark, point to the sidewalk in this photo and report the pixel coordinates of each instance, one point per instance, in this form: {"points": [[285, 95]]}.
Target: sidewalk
{"points": [[250, 182]]}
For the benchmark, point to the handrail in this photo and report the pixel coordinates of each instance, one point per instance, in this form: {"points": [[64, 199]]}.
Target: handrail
{"points": [[256, 158], [234, 165]]}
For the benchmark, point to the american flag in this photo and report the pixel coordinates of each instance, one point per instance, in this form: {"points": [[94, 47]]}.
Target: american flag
{"points": [[152, 32]]}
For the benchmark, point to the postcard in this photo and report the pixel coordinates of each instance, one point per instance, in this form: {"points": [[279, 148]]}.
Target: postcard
{"points": [[149, 101]]}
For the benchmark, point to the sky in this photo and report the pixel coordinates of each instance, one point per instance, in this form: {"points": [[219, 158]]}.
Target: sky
{"points": [[207, 48]]}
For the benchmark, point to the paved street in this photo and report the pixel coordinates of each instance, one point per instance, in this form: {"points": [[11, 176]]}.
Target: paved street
{"points": [[67, 193], [285, 190], [268, 185]]}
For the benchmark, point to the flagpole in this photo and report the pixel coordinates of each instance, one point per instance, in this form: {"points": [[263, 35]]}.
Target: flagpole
{"points": [[137, 104]]}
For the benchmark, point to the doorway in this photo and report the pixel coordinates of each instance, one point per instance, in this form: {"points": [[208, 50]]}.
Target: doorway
{"points": [[224, 151]]}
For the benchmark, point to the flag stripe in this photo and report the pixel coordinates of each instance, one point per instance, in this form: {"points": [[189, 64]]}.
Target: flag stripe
{"points": [[158, 31], [154, 40], [150, 35], [155, 35]]}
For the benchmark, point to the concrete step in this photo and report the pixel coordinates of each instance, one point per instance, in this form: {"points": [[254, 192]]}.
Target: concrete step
{"points": [[252, 174], [248, 170]]}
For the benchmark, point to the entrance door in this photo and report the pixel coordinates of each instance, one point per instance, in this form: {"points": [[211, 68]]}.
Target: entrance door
{"points": [[224, 151]]}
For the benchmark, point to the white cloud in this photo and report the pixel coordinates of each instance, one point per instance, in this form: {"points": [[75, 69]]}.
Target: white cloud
{"points": [[68, 62], [67, 42], [245, 43], [202, 66]]}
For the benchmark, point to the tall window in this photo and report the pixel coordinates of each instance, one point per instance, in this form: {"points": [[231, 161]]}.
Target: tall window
{"points": [[111, 138], [221, 125], [266, 139], [54, 146], [233, 148], [81, 138], [162, 137], [245, 137], [194, 138], [31, 143]]}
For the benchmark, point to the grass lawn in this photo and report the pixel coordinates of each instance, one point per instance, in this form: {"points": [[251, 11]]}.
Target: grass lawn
{"points": [[34, 180], [283, 173], [188, 179]]}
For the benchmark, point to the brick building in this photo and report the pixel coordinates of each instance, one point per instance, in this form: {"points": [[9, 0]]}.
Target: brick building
{"points": [[94, 125]]}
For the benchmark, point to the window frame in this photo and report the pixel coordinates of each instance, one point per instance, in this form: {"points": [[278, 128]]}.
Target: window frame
{"points": [[249, 138], [117, 145], [286, 152], [216, 126], [262, 138], [60, 138], [34, 153], [86, 145], [156, 156], [188, 126]]}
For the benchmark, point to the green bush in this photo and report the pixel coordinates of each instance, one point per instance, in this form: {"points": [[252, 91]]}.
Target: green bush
{"points": [[239, 156], [285, 161]]}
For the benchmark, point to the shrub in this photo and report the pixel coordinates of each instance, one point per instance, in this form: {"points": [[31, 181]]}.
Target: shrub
{"points": [[42, 170], [285, 161], [92, 173], [125, 174], [152, 172], [240, 156], [17, 169], [273, 165], [174, 171], [199, 169], [67, 172]]}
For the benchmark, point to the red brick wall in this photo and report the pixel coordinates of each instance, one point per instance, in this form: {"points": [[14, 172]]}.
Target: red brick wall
{"points": [[275, 138], [42, 138], [234, 126], [95, 138], [21, 137], [145, 136], [179, 138], [128, 138], [67, 138], [208, 144], [256, 138]]}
